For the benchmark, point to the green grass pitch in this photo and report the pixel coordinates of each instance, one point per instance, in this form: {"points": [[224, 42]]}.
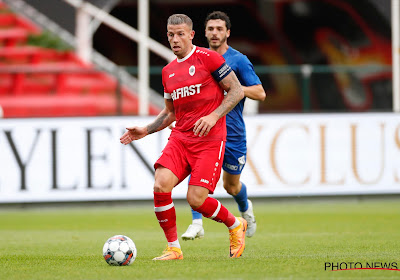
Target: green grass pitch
{"points": [[294, 240]]}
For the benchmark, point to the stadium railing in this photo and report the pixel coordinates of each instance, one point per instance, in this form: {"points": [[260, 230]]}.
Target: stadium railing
{"points": [[305, 71]]}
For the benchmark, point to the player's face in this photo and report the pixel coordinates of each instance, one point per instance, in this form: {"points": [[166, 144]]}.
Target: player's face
{"points": [[180, 39], [216, 33]]}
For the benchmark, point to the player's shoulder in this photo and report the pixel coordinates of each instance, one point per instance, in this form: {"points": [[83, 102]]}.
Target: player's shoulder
{"points": [[169, 67], [233, 51], [237, 60], [236, 54], [204, 53]]}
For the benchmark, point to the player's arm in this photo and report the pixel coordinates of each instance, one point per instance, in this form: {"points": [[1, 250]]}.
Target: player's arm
{"points": [[164, 119], [234, 93], [252, 86], [255, 92]]}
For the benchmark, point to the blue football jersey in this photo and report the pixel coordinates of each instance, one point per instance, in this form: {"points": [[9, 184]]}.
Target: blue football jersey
{"points": [[244, 70]]}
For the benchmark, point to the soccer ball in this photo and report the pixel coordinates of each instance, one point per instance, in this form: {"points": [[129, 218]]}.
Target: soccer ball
{"points": [[119, 250]]}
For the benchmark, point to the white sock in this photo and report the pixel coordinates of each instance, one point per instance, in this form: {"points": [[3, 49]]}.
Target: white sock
{"points": [[197, 222], [235, 224], [174, 244]]}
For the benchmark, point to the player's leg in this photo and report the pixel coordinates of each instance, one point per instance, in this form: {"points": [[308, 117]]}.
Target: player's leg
{"points": [[170, 170], [234, 161], [195, 229], [213, 209], [238, 190], [206, 162], [164, 208], [197, 218]]}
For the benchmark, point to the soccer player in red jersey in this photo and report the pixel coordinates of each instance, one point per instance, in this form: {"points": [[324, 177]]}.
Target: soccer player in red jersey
{"points": [[194, 85]]}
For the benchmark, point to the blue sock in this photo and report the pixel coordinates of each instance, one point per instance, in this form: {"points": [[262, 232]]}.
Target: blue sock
{"points": [[241, 199], [196, 215]]}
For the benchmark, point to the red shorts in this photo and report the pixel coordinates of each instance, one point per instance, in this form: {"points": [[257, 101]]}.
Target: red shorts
{"points": [[201, 159]]}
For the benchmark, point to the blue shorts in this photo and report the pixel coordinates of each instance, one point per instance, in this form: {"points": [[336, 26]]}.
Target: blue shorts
{"points": [[235, 157]]}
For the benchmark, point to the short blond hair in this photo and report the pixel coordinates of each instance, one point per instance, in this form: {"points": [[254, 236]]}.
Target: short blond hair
{"points": [[177, 19]]}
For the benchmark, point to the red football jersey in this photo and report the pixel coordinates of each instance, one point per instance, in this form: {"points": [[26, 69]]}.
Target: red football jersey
{"points": [[192, 84]]}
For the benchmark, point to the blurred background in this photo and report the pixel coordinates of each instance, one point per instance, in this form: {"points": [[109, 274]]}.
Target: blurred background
{"points": [[311, 56], [74, 74]]}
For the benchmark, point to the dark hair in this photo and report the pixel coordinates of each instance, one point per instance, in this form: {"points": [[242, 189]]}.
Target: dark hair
{"points": [[219, 15], [177, 19]]}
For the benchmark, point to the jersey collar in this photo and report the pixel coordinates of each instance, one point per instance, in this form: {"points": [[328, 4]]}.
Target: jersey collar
{"points": [[186, 57]]}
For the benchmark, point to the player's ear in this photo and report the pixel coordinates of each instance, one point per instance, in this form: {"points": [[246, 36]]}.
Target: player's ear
{"points": [[228, 33], [192, 34]]}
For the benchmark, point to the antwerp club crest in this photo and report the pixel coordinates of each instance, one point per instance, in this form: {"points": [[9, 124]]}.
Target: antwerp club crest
{"points": [[192, 70]]}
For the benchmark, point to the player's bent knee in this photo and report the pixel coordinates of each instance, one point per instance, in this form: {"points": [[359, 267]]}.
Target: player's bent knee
{"points": [[232, 189], [194, 201], [196, 196], [159, 187], [165, 180]]}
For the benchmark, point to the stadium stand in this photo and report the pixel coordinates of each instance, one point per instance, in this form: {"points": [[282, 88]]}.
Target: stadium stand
{"points": [[41, 82]]}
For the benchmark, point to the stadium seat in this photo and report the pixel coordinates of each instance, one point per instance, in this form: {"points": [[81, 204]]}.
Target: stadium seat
{"points": [[41, 82]]}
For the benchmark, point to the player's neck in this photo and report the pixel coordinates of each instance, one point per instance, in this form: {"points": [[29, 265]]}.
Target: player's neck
{"points": [[190, 50], [221, 49]]}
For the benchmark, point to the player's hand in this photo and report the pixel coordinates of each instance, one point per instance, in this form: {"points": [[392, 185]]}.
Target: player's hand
{"points": [[203, 125], [133, 133]]}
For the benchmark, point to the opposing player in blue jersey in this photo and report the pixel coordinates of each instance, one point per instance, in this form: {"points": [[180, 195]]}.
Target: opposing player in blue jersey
{"points": [[217, 31]]}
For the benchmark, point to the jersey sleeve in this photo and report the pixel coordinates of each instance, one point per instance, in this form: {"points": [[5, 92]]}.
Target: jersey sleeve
{"points": [[217, 66], [167, 94], [248, 76]]}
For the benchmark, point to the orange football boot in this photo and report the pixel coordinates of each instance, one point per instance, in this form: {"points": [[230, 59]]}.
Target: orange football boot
{"points": [[237, 239], [170, 253]]}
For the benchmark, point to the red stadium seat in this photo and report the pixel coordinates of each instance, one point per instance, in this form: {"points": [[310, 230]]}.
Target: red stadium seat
{"points": [[42, 82]]}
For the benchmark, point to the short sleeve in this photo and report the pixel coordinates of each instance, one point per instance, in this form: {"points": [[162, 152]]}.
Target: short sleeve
{"points": [[167, 95], [247, 75], [216, 64]]}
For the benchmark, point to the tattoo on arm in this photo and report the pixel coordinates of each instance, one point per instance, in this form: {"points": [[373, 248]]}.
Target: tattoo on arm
{"points": [[234, 94], [158, 123], [164, 119]]}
